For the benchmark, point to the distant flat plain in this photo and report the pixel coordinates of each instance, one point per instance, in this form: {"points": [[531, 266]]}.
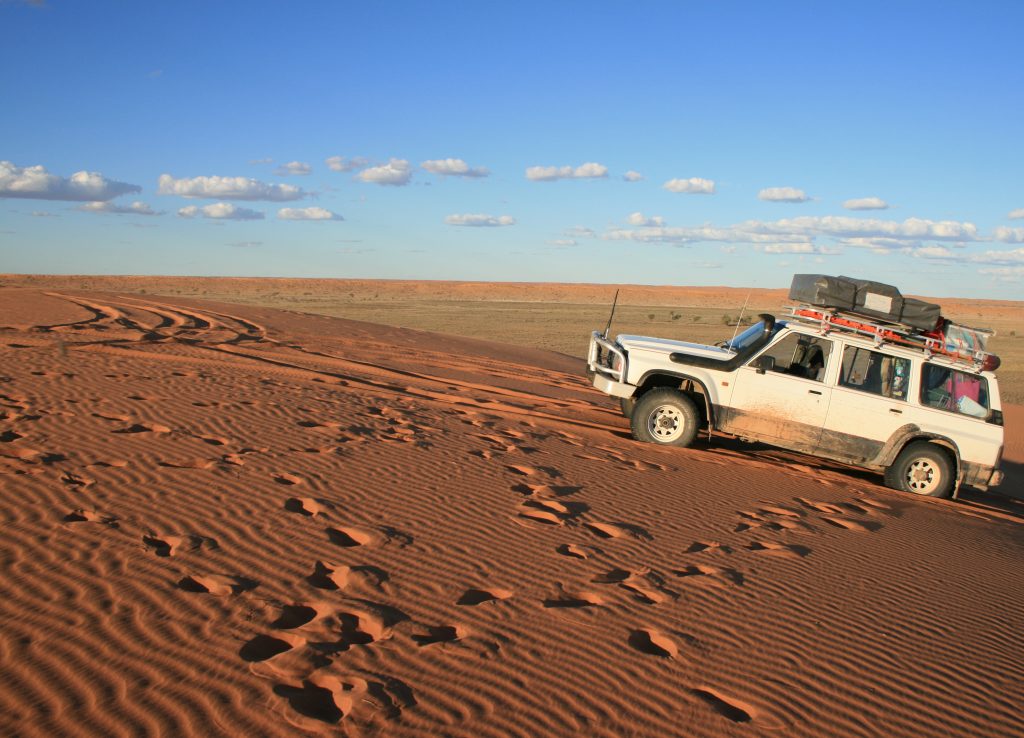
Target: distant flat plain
{"points": [[554, 316]]}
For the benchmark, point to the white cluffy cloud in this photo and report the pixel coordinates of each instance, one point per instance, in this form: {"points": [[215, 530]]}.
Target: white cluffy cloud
{"points": [[219, 211], [453, 168], [136, 208], [227, 188], [480, 220], [639, 219], [691, 186], [312, 213], [1008, 235], [293, 168], [1016, 214], [1004, 274], [35, 183], [796, 248], [396, 173], [782, 194], [632, 176], [342, 164], [590, 170], [880, 236], [866, 203]]}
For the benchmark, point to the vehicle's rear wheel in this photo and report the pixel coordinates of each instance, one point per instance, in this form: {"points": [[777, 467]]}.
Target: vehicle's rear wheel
{"points": [[665, 416], [626, 404], [922, 468]]}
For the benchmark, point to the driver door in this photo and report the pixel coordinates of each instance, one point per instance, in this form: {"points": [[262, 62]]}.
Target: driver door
{"points": [[780, 395]]}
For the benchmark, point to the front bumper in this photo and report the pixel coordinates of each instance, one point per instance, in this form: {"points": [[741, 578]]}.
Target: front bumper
{"points": [[609, 386]]}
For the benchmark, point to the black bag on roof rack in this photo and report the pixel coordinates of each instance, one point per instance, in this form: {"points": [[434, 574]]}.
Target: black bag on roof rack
{"points": [[864, 297], [877, 300], [823, 291], [920, 314]]}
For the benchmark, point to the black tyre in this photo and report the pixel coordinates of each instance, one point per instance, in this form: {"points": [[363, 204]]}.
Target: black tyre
{"points": [[626, 404], [665, 416], [922, 468]]}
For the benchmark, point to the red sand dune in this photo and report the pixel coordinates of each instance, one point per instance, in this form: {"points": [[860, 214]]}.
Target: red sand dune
{"points": [[227, 520]]}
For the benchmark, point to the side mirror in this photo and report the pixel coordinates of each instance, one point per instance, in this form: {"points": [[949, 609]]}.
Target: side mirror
{"points": [[764, 364]]}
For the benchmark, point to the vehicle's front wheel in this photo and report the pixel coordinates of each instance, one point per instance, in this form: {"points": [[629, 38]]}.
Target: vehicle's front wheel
{"points": [[665, 416], [922, 468]]}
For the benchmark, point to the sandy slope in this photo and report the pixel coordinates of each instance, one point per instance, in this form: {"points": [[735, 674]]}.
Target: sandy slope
{"points": [[226, 520]]}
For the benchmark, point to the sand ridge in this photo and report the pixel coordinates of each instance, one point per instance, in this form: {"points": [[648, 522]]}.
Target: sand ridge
{"points": [[225, 520]]}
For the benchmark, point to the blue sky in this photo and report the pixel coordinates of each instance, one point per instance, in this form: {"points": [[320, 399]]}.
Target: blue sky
{"points": [[649, 142]]}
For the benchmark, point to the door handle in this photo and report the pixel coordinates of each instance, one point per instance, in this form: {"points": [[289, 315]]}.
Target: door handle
{"points": [[813, 392], [895, 410]]}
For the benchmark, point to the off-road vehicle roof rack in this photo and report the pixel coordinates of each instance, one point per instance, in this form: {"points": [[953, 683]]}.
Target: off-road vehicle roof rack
{"points": [[957, 343]]}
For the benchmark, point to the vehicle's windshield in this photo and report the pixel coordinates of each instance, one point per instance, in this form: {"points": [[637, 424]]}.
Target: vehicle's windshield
{"points": [[747, 337]]}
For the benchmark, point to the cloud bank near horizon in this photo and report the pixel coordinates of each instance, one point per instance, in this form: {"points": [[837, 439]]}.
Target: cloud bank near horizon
{"points": [[36, 183]]}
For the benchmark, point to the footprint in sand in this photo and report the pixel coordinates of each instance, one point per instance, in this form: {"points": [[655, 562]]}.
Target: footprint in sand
{"points": [[350, 537], [781, 550], [112, 416], [769, 519], [112, 463], [440, 634], [531, 471], [326, 424], [654, 643], [214, 440], [716, 575], [727, 707], [265, 647], [307, 506], [323, 698], [574, 600], [474, 597], [144, 428], [166, 546], [645, 585], [286, 478], [188, 464], [822, 507], [710, 546], [855, 525], [551, 512], [577, 551], [545, 490], [335, 576], [10, 436], [220, 585], [77, 480], [297, 616], [91, 516], [619, 530]]}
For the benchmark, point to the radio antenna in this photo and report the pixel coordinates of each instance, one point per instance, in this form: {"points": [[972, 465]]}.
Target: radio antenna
{"points": [[612, 315], [738, 321]]}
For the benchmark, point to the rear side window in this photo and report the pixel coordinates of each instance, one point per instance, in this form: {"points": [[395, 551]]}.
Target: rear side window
{"points": [[871, 371], [948, 389]]}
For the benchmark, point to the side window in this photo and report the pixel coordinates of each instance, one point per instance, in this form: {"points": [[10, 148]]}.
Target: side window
{"points": [[875, 372], [800, 356], [948, 389]]}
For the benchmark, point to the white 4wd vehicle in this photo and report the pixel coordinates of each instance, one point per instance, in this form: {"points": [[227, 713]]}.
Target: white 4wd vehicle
{"points": [[929, 422]]}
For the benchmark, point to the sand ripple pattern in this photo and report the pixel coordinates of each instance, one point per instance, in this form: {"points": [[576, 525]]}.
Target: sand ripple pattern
{"points": [[232, 521]]}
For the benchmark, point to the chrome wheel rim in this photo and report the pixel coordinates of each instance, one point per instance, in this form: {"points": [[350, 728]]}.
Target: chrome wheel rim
{"points": [[923, 477], [666, 423]]}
